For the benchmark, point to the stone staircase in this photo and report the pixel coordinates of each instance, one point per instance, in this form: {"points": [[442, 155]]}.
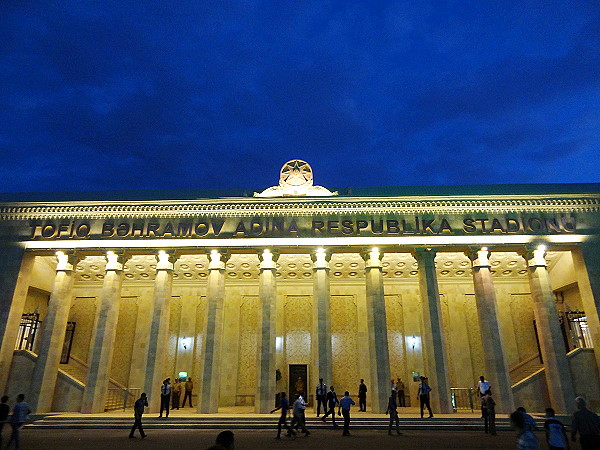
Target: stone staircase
{"points": [[525, 368], [255, 422]]}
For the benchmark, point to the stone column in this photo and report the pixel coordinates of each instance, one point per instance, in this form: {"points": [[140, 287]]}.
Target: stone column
{"points": [[434, 340], [265, 363], [159, 330], [321, 332], [558, 372], [52, 336], [15, 273], [211, 344], [586, 260], [377, 325], [103, 338], [494, 358]]}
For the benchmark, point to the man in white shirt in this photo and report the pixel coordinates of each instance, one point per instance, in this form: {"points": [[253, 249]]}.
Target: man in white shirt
{"points": [[165, 397], [483, 386], [299, 419]]}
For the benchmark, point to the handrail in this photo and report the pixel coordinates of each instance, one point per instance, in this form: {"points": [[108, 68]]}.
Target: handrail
{"points": [[112, 381]]}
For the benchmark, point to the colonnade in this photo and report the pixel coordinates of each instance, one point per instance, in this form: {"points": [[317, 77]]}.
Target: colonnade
{"points": [[436, 365]]}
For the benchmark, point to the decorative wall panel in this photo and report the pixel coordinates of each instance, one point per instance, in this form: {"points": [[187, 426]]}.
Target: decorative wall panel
{"points": [[344, 324], [474, 336], [249, 310], [83, 312], [396, 335], [521, 308], [174, 321], [298, 325], [125, 339]]}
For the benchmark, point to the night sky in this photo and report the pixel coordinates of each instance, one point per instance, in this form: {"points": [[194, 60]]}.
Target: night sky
{"points": [[128, 95]]}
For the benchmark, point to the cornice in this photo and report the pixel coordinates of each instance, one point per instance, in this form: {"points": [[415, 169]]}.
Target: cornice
{"points": [[243, 207]]}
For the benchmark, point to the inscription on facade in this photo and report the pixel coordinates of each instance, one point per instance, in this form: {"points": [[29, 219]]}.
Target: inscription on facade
{"points": [[303, 227]]}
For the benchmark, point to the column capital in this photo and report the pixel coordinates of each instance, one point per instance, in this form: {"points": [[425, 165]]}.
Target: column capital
{"points": [[67, 261], [424, 254], [321, 259], [116, 259], [479, 257], [534, 255], [372, 258], [217, 260], [165, 259], [268, 259]]}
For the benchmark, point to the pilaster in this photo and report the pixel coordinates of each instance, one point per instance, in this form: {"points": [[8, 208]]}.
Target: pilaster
{"points": [[53, 335], [103, 338], [211, 344], [554, 354], [265, 364], [15, 273], [321, 333], [377, 326], [487, 310], [434, 340], [159, 329], [586, 260]]}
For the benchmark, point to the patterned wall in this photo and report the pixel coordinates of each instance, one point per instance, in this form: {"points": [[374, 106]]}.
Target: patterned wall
{"points": [[474, 337], [124, 344], [521, 311], [298, 326], [396, 335], [83, 312], [344, 323], [249, 310], [174, 321]]}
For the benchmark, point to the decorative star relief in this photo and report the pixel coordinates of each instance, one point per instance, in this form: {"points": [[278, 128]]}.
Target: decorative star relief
{"points": [[295, 180]]}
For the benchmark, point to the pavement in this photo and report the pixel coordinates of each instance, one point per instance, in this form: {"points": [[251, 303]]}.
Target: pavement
{"points": [[263, 439]]}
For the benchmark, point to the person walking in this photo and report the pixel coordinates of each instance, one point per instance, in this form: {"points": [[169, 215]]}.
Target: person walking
{"points": [[556, 434], [283, 406], [587, 424], [138, 412], [298, 415], [423, 396], [530, 424], [176, 395], [345, 403], [392, 410], [331, 401], [401, 398], [321, 397], [4, 410], [362, 396], [165, 397], [526, 440], [189, 387], [489, 413], [20, 412]]}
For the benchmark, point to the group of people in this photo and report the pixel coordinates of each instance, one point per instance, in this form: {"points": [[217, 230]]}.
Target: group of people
{"points": [[19, 416], [173, 392], [584, 422], [168, 392]]}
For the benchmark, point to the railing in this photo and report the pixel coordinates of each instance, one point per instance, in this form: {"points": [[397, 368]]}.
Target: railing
{"points": [[462, 398], [118, 398]]}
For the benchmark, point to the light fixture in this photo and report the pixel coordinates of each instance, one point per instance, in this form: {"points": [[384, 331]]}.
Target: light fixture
{"points": [[541, 248], [184, 342]]}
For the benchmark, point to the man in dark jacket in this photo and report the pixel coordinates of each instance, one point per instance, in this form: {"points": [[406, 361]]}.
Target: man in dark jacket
{"points": [[362, 396], [138, 410], [331, 401]]}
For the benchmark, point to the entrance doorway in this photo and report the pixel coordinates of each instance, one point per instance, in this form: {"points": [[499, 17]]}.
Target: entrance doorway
{"points": [[298, 381]]}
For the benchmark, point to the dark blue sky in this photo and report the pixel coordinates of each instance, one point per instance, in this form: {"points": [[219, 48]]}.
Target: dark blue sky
{"points": [[219, 94]]}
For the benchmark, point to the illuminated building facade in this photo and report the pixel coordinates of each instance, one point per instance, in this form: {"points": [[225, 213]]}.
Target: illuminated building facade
{"points": [[248, 293]]}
